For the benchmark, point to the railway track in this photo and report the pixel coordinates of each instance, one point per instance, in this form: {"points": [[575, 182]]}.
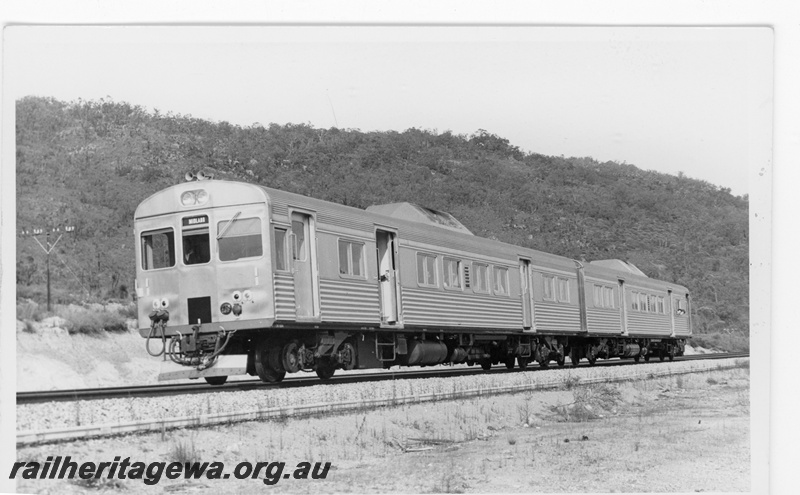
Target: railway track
{"points": [[304, 381], [476, 387]]}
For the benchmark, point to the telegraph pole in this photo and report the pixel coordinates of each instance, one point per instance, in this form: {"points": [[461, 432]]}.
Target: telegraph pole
{"points": [[49, 249]]}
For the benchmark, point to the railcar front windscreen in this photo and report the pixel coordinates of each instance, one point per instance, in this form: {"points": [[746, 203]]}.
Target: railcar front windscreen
{"points": [[242, 239]]}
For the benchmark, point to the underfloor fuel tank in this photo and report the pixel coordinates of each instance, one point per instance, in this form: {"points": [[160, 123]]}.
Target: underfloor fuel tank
{"points": [[425, 353], [631, 350]]}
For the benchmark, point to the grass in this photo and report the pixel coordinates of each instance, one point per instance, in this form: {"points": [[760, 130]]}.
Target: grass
{"points": [[184, 450], [588, 403]]}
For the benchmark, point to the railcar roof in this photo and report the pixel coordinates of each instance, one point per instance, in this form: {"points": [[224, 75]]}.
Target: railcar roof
{"points": [[233, 192]]}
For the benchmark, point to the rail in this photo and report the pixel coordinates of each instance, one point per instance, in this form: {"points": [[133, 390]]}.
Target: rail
{"points": [[295, 381]]}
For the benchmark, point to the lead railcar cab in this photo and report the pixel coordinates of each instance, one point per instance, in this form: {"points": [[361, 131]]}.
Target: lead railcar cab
{"points": [[234, 278]]}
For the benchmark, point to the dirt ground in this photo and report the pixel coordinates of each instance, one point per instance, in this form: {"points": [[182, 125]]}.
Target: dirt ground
{"points": [[682, 434]]}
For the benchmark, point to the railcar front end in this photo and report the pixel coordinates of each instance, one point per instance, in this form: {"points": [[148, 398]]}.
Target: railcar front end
{"points": [[202, 275]]}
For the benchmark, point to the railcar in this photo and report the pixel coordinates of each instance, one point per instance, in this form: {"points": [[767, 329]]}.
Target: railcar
{"points": [[236, 278]]}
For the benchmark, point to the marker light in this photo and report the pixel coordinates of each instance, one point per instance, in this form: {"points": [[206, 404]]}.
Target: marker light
{"points": [[237, 309], [225, 308]]}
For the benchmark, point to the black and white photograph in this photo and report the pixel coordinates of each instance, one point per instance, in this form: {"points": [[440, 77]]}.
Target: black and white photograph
{"points": [[387, 258]]}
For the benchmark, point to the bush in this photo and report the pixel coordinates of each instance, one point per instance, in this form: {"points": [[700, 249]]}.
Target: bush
{"points": [[92, 321], [727, 342], [129, 311], [29, 311]]}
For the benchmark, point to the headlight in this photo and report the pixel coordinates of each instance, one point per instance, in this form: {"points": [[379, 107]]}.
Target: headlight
{"points": [[237, 296], [188, 198], [194, 197], [156, 303], [165, 303], [247, 295]]}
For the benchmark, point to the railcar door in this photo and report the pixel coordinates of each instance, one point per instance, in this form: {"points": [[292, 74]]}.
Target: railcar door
{"points": [[525, 289], [623, 305], [386, 242], [303, 257]]}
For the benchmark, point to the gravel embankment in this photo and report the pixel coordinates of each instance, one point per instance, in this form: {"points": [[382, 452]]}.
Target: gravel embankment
{"points": [[40, 417]]}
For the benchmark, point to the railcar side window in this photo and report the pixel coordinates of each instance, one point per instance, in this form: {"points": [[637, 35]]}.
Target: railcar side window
{"points": [[299, 244], [603, 297], [635, 301], [351, 258], [196, 246], [680, 306], [643, 302], [563, 290], [660, 304], [500, 281], [608, 297], [549, 287], [158, 249], [480, 274], [452, 273], [242, 239], [281, 256], [426, 270]]}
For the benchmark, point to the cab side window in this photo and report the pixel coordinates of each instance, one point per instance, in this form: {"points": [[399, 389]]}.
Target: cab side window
{"points": [[158, 249]]}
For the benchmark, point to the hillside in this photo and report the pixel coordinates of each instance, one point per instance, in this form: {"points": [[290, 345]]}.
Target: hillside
{"points": [[89, 164]]}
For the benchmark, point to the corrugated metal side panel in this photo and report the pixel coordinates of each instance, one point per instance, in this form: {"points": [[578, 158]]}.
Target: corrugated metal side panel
{"points": [[553, 317], [648, 324], [421, 307], [346, 219], [603, 320], [682, 326], [279, 206], [346, 300], [284, 297]]}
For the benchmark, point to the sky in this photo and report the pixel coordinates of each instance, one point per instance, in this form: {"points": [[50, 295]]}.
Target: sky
{"points": [[670, 99]]}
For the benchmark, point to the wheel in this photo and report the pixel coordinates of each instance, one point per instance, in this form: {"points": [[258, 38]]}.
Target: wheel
{"points": [[216, 380], [486, 364], [325, 369], [289, 358], [636, 358], [510, 362], [574, 356], [590, 357], [268, 362], [561, 361], [523, 362], [672, 354], [348, 353], [647, 358], [661, 354]]}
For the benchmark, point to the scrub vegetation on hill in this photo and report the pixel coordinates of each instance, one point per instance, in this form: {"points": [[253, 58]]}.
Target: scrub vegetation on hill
{"points": [[89, 163]]}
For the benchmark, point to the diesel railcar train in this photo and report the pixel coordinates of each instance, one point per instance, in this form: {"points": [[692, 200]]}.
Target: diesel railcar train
{"points": [[236, 278]]}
